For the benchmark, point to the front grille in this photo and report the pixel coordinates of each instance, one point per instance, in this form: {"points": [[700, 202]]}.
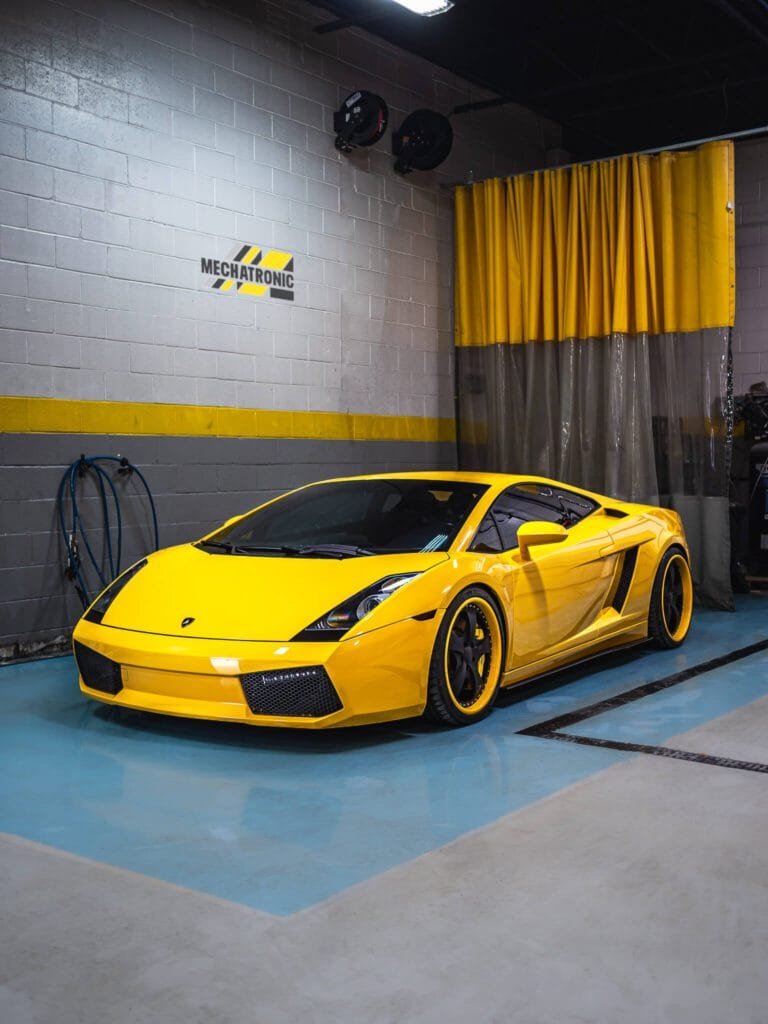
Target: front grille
{"points": [[293, 692], [98, 672]]}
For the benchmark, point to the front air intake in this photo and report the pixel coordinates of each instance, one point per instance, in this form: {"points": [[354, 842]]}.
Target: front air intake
{"points": [[292, 692], [98, 672]]}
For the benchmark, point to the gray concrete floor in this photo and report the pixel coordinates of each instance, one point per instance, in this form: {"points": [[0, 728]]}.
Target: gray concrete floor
{"points": [[637, 896]]}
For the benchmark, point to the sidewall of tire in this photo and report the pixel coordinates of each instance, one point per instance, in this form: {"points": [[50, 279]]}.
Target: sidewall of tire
{"points": [[657, 628], [440, 707]]}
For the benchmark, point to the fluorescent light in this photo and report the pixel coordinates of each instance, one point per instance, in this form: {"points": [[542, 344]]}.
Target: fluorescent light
{"points": [[426, 7]]}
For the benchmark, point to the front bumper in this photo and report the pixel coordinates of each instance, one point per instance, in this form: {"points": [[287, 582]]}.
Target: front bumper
{"points": [[378, 677]]}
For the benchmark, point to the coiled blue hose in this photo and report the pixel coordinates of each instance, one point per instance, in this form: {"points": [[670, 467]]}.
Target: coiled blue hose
{"points": [[68, 484]]}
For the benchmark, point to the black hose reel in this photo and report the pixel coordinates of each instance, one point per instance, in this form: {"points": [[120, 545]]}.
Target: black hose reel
{"points": [[360, 121]]}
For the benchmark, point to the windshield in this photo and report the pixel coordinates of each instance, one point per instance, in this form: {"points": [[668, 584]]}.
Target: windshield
{"points": [[354, 517]]}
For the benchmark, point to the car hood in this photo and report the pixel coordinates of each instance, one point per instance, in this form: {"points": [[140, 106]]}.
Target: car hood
{"points": [[246, 597]]}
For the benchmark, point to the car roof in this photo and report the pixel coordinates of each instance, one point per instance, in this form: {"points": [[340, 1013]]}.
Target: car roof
{"points": [[452, 475], [496, 480]]}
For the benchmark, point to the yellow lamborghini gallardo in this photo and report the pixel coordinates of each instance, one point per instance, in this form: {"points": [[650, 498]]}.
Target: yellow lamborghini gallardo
{"points": [[373, 598]]}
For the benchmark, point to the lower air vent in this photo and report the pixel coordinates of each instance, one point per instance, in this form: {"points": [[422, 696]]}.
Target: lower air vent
{"points": [[294, 692], [98, 672]]}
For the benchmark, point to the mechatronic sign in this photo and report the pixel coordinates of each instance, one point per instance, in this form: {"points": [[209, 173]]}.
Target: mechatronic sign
{"points": [[251, 270]]}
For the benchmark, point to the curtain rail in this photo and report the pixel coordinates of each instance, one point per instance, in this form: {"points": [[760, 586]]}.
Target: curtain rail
{"points": [[747, 133]]}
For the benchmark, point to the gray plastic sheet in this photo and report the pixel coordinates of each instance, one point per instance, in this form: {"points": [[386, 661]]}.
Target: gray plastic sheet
{"points": [[642, 418]]}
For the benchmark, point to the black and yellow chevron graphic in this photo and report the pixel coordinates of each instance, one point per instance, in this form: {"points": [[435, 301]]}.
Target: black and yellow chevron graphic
{"points": [[254, 271]]}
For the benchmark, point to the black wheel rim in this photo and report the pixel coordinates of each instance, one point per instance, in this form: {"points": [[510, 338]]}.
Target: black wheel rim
{"points": [[673, 598], [469, 655]]}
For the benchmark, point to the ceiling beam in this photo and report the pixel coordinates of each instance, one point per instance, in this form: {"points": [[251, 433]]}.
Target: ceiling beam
{"points": [[734, 11], [357, 20], [598, 83], [655, 100], [639, 73], [635, 31]]}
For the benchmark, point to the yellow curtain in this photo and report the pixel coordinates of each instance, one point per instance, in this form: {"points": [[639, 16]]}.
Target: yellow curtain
{"points": [[630, 245]]}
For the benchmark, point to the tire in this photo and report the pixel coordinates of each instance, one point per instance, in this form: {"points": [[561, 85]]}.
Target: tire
{"points": [[669, 616], [467, 661]]}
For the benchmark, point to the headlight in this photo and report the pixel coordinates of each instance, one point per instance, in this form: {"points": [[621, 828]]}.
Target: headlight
{"points": [[335, 623], [98, 609]]}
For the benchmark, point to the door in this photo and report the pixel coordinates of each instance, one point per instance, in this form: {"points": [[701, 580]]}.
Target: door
{"points": [[558, 594]]}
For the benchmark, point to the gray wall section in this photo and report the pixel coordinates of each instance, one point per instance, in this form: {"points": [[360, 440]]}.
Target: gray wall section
{"points": [[135, 141], [197, 482]]}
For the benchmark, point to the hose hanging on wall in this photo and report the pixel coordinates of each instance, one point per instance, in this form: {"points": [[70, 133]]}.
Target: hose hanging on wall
{"points": [[109, 567]]}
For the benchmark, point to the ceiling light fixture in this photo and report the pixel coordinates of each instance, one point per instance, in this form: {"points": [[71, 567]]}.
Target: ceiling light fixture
{"points": [[426, 7]]}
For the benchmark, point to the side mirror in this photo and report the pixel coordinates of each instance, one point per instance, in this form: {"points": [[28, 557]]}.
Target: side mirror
{"points": [[539, 533], [230, 521]]}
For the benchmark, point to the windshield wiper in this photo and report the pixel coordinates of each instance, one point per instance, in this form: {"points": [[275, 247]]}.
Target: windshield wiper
{"points": [[305, 551], [254, 549], [333, 551], [215, 544], [243, 549]]}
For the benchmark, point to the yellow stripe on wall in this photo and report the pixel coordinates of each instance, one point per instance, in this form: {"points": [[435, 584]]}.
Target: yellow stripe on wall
{"points": [[72, 416]]}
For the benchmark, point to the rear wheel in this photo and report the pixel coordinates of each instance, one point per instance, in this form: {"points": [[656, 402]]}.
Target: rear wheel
{"points": [[669, 618], [467, 660]]}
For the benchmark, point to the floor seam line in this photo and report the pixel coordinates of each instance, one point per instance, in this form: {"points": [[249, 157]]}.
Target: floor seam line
{"points": [[659, 751], [555, 725]]}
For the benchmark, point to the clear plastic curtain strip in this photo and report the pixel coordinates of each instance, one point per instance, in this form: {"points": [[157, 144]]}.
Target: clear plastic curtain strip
{"points": [[644, 418]]}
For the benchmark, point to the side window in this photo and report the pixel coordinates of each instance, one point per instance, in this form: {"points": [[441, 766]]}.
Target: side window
{"points": [[512, 509], [487, 537], [526, 503], [572, 507], [498, 530]]}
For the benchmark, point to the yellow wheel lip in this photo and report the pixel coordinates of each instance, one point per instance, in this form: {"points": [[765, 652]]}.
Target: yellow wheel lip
{"points": [[687, 613], [489, 690]]}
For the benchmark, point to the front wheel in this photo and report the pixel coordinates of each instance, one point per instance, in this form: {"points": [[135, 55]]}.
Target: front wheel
{"points": [[669, 618], [467, 660]]}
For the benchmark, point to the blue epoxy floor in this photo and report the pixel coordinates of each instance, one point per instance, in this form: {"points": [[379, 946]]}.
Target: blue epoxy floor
{"points": [[281, 820], [654, 719]]}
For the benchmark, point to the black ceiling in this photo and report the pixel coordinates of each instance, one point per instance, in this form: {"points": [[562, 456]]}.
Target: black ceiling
{"points": [[617, 76]]}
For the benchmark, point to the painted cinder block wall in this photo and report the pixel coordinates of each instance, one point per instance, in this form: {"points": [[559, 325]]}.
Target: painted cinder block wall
{"points": [[136, 139], [750, 336]]}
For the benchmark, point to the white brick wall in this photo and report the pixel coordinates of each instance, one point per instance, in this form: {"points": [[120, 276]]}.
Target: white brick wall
{"points": [[136, 140], [750, 338]]}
